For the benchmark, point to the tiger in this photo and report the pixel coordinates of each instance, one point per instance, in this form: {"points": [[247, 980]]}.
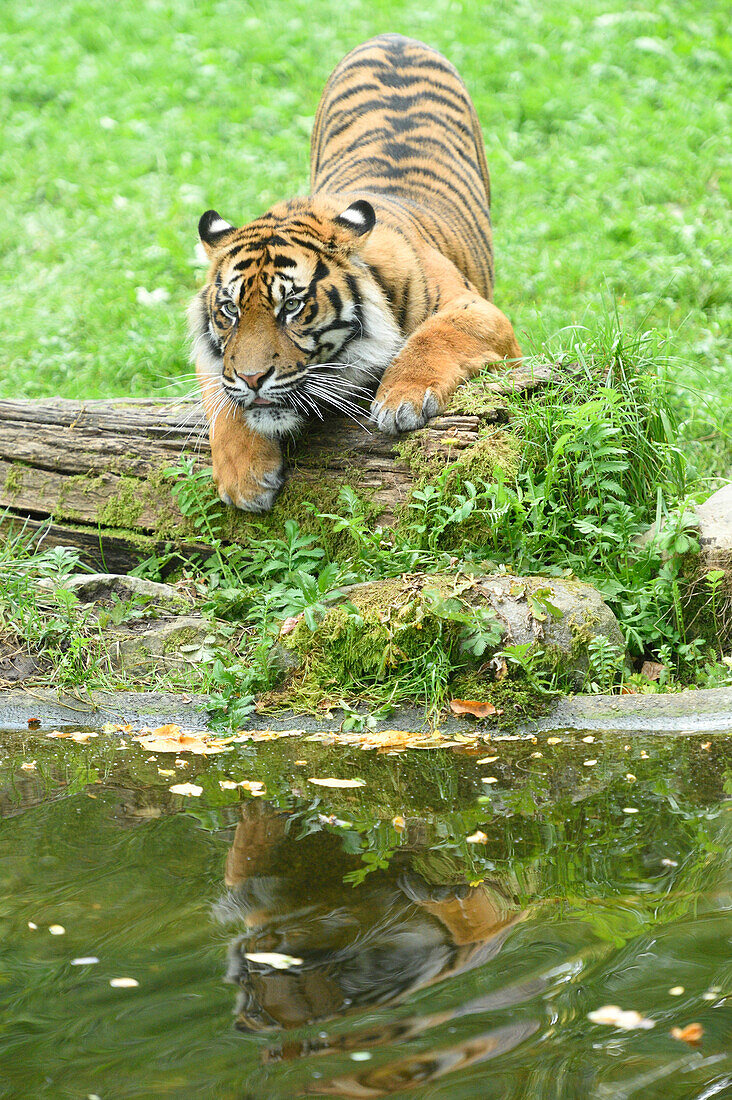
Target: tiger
{"points": [[376, 288]]}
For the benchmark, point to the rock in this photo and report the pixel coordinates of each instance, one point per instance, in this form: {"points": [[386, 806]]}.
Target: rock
{"points": [[160, 646], [97, 587], [715, 529], [558, 613], [400, 619]]}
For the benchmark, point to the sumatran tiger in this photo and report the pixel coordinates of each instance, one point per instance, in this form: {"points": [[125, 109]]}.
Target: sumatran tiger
{"points": [[377, 286]]}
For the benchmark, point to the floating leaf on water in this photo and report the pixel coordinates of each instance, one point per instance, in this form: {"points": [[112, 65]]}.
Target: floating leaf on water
{"points": [[489, 779], [669, 863], [32, 926], [630, 777], [80, 736], [57, 930], [28, 766], [537, 755], [474, 707], [123, 983], [630, 810], [273, 959], [589, 739], [253, 786], [33, 723], [477, 837], [614, 1016], [398, 822], [186, 788], [589, 763], [676, 991], [553, 740], [691, 1034], [301, 763], [85, 960], [331, 782], [166, 771], [174, 739], [486, 759]]}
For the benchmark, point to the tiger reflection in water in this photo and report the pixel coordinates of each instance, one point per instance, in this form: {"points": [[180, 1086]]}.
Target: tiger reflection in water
{"points": [[370, 946]]}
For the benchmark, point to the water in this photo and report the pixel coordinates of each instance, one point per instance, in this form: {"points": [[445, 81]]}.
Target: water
{"points": [[432, 966]]}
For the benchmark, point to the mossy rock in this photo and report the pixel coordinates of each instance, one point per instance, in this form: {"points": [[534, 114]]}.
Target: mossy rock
{"points": [[419, 634]]}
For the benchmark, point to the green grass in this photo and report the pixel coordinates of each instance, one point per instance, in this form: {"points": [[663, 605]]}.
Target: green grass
{"points": [[607, 131]]}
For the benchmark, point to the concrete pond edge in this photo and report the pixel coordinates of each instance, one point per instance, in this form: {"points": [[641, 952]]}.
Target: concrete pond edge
{"points": [[703, 711]]}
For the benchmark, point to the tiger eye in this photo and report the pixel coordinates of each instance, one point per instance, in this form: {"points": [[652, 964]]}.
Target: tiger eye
{"points": [[291, 303], [230, 309]]}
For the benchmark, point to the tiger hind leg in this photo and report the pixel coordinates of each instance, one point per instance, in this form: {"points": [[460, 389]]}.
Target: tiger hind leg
{"points": [[445, 351]]}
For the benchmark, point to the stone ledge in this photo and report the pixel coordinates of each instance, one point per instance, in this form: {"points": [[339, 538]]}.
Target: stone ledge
{"points": [[694, 712]]}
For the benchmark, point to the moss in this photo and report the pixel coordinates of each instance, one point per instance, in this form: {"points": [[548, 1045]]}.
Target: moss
{"points": [[391, 639], [14, 481]]}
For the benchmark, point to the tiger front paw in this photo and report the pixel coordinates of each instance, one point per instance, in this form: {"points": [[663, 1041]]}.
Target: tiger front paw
{"points": [[247, 480], [402, 409]]}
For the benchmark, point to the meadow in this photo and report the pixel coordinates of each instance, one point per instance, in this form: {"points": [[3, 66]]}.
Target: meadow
{"points": [[607, 130]]}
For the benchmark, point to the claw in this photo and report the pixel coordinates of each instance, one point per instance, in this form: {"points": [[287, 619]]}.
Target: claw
{"points": [[405, 418]]}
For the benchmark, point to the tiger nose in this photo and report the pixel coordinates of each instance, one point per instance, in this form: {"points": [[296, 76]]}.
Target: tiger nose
{"points": [[253, 380]]}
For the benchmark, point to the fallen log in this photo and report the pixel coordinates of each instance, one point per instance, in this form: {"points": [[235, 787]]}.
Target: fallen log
{"points": [[95, 475]]}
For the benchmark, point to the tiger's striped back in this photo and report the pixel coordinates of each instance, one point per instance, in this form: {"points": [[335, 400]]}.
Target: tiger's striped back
{"points": [[396, 124]]}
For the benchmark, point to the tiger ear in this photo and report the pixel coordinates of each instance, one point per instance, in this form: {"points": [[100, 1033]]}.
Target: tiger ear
{"points": [[212, 229], [359, 218]]}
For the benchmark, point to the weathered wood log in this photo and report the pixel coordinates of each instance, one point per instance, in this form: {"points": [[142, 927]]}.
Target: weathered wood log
{"points": [[93, 474]]}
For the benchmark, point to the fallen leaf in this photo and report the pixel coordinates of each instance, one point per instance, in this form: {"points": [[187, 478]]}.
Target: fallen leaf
{"points": [[166, 771], [486, 760], [630, 810], [652, 670], [186, 788], [628, 689], [589, 739], [489, 779], [273, 959], [691, 1034], [288, 625], [669, 863], [477, 838], [174, 739], [32, 926], [85, 960], [615, 1016], [676, 990], [80, 736], [301, 763], [589, 763], [468, 706], [330, 782], [553, 740], [57, 930], [28, 766], [123, 983], [398, 822], [253, 786]]}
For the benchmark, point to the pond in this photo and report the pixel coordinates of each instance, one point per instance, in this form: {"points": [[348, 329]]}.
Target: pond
{"points": [[444, 930]]}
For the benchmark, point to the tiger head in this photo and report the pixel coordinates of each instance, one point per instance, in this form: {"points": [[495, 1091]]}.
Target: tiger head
{"points": [[291, 321]]}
